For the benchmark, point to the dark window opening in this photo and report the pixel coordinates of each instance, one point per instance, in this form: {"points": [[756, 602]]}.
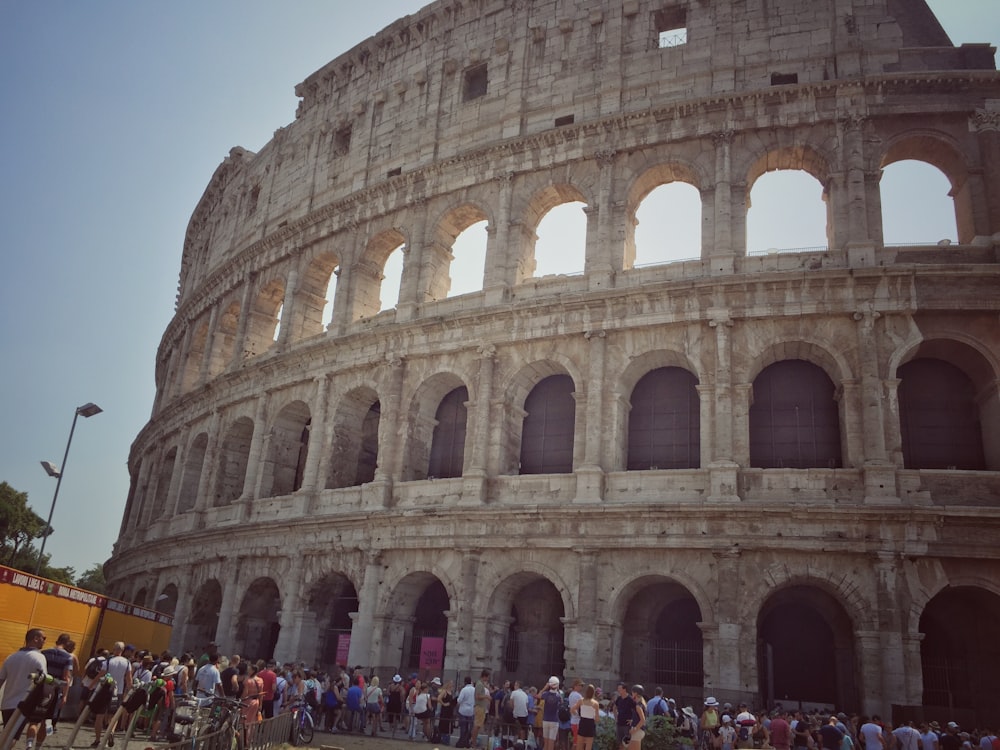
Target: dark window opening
{"points": [[547, 432], [474, 83], [252, 199], [342, 141], [448, 443], [794, 420], [565, 120], [664, 422], [938, 417], [394, 172], [670, 25], [783, 79]]}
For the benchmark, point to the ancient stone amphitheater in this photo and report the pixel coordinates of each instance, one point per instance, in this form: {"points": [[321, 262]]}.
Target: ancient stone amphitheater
{"points": [[769, 476]]}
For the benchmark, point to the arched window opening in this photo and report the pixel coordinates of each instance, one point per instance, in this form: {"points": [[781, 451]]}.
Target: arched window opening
{"points": [[535, 646], [960, 653], [224, 341], [938, 417], [447, 457], [392, 277], [917, 207], [277, 322], [668, 225], [548, 430], [287, 449], [257, 625], [330, 297], [354, 450], [786, 213], [663, 643], [262, 326], [160, 508], [562, 239], [195, 357], [794, 420], [204, 618], [331, 600], [233, 459], [664, 421], [469, 264]]}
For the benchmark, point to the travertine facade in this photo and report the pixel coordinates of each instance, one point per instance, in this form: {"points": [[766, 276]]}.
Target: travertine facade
{"points": [[774, 477]]}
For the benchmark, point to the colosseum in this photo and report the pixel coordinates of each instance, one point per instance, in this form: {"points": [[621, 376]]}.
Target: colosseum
{"points": [[771, 476]]}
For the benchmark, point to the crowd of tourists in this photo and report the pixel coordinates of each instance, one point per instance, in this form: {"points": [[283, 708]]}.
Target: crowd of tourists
{"points": [[480, 713]]}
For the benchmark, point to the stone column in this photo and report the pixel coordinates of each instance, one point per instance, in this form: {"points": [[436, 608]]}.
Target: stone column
{"points": [[723, 469], [860, 247], [893, 433], [478, 438], [288, 313], [292, 617], [880, 474], [245, 312], [604, 256], [499, 274], [978, 200], [255, 455], [723, 251], [178, 633], [181, 371], [415, 279], [177, 475], [317, 435], [224, 630], [340, 317], [145, 499], [391, 427], [590, 475], [363, 621], [735, 646], [467, 642], [206, 360], [585, 637], [204, 500], [892, 658]]}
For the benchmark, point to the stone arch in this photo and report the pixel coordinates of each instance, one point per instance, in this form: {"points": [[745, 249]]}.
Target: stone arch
{"points": [[942, 151], [645, 183], [637, 367], [354, 451], [257, 626], [287, 449], [423, 424], [166, 601], [959, 652], [439, 252], [806, 648], [264, 317], [331, 599], [966, 352], [530, 215], [234, 456], [368, 272], [311, 296], [416, 607], [194, 466], [203, 617], [140, 597], [164, 478], [819, 353], [661, 637]]}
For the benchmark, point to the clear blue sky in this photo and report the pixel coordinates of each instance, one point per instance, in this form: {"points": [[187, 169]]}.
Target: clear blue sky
{"points": [[116, 113]]}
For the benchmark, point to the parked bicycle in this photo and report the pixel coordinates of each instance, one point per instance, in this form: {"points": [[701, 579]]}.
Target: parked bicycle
{"points": [[303, 725]]}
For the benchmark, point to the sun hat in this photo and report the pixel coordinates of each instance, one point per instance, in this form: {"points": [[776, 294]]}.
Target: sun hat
{"points": [[553, 681], [436, 681], [397, 678], [710, 701], [726, 719]]}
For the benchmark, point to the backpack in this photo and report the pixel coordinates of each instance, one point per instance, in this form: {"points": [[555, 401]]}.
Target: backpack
{"points": [[311, 700], [660, 709], [563, 714], [94, 667], [744, 733]]}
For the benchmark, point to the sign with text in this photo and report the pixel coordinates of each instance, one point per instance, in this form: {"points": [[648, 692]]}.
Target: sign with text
{"points": [[431, 653], [343, 647]]}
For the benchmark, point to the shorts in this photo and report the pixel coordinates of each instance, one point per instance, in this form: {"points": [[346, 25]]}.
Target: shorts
{"points": [[637, 735], [550, 729], [521, 720], [587, 727], [480, 716]]}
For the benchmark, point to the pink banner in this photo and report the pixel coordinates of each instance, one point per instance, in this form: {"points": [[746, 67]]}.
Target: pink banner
{"points": [[343, 647], [431, 653]]}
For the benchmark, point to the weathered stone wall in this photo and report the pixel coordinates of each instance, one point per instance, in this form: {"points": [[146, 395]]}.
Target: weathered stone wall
{"points": [[275, 471]]}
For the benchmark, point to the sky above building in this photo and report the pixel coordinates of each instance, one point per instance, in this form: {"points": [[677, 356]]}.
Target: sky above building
{"points": [[116, 114]]}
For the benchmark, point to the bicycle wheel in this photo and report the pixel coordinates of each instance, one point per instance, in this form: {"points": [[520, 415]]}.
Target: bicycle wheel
{"points": [[304, 735]]}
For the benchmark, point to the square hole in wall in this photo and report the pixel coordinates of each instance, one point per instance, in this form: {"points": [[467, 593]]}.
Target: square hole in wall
{"points": [[342, 141], [670, 26], [474, 83]]}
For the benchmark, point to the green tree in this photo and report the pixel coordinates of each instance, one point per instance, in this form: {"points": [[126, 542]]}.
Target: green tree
{"points": [[19, 527], [92, 579]]}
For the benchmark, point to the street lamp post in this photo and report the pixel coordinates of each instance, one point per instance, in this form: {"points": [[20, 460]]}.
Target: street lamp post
{"points": [[87, 410]]}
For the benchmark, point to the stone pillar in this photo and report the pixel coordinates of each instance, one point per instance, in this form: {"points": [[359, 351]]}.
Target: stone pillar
{"points": [[979, 200], [363, 621], [224, 630], [206, 360], [474, 477], [182, 364], [178, 633], [590, 474], [340, 317], [723, 469], [735, 646], [499, 253], [893, 431], [604, 255], [892, 658], [257, 447], [177, 476], [391, 427], [860, 247], [723, 251], [317, 435], [209, 466], [585, 638], [464, 645], [293, 618], [144, 499], [288, 312], [245, 312], [415, 280]]}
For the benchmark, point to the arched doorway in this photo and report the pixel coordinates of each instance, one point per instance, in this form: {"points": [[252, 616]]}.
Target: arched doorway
{"points": [[960, 653], [257, 627], [203, 620], [806, 649], [662, 643], [525, 632], [332, 600]]}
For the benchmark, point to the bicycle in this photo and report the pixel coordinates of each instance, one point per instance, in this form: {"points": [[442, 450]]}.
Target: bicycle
{"points": [[303, 725], [223, 729]]}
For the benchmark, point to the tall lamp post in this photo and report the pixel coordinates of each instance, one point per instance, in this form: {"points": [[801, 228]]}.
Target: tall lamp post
{"points": [[87, 410]]}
